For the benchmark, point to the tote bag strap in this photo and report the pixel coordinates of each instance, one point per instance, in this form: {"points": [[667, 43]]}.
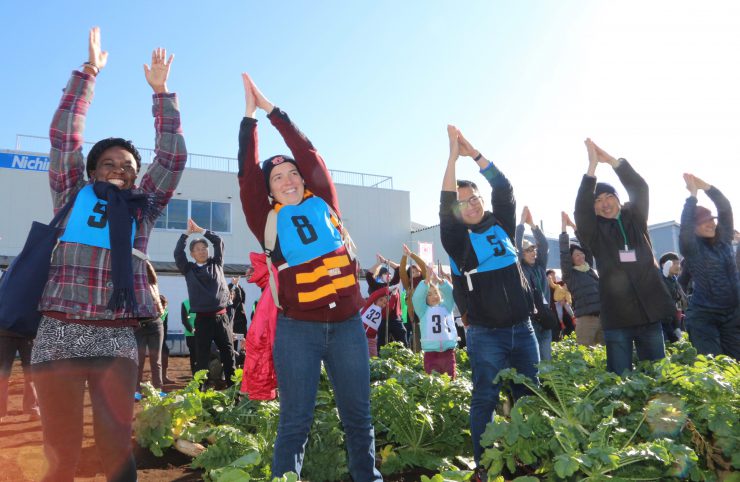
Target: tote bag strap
{"points": [[63, 212]]}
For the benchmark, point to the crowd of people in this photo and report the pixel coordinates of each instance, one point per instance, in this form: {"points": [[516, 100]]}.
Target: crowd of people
{"points": [[102, 310]]}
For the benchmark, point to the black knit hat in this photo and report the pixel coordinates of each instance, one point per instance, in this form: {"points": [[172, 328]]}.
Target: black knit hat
{"points": [[602, 187], [270, 164]]}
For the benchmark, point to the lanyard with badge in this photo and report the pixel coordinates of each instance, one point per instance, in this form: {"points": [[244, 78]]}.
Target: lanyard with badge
{"points": [[626, 255]]}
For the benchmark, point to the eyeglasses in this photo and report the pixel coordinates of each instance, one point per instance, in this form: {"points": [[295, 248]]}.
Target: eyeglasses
{"points": [[471, 201]]}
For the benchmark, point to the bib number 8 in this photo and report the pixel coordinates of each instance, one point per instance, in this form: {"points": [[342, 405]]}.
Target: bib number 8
{"points": [[305, 230]]}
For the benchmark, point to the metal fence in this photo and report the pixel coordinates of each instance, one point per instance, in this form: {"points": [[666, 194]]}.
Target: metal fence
{"points": [[28, 143]]}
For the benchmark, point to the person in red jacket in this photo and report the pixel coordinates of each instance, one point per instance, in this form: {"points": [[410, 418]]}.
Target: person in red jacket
{"points": [[318, 291]]}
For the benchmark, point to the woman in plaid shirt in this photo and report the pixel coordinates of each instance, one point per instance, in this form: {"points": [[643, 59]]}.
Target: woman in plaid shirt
{"points": [[98, 290]]}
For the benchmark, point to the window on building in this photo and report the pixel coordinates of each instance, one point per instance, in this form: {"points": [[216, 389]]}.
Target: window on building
{"points": [[210, 215], [174, 216]]}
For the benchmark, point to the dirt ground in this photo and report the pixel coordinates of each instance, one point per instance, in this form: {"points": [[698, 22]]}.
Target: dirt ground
{"points": [[21, 451]]}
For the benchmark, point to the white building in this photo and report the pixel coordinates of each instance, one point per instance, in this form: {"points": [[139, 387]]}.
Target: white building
{"points": [[376, 215]]}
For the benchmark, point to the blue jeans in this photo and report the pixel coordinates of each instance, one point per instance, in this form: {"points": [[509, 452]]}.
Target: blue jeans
{"points": [[647, 339], [491, 350], [299, 349], [714, 332], [544, 341]]}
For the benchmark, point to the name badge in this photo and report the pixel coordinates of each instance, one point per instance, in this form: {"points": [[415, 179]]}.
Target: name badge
{"points": [[627, 256]]}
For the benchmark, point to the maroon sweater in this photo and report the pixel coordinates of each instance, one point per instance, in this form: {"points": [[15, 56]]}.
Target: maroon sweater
{"points": [[256, 206]]}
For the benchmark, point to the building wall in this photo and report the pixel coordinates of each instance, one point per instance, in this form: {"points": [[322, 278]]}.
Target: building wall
{"points": [[378, 219]]}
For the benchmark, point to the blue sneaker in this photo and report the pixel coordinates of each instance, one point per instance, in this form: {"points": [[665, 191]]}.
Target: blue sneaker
{"points": [[137, 396], [162, 394]]}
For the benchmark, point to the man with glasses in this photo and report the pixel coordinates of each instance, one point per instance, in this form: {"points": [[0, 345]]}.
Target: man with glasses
{"points": [[488, 281]]}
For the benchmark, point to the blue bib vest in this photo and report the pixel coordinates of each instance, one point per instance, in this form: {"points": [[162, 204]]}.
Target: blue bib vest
{"points": [[306, 231], [316, 270], [493, 250], [88, 222]]}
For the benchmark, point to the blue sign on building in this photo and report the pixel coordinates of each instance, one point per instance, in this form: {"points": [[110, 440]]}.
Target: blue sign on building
{"points": [[24, 162]]}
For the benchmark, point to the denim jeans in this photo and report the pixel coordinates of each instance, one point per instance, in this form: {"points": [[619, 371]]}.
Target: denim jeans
{"points": [[714, 332], [300, 348], [544, 341], [61, 389], [491, 350], [647, 339]]}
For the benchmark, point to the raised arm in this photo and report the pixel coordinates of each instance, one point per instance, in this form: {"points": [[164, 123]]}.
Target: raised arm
{"points": [[543, 247], [449, 181], [420, 263], [215, 239], [519, 239], [452, 231], [636, 187], [310, 163], [725, 221], [566, 261], [503, 203], [405, 281], [170, 154], [584, 209], [687, 239], [448, 300], [252, 187], [181, 259], [67, 164], [419, 299]]}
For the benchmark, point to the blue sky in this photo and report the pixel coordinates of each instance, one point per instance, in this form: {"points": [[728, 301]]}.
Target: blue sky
{"points": [[373, 84]]}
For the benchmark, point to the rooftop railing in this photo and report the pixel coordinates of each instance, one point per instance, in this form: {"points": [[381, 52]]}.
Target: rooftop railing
{"points": [[29, 143]]}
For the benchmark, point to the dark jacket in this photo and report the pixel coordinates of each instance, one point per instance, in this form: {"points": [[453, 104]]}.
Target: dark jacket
{"points": [[500, 298], [583, 286], [239, 318], [207, 289], [537, 273], [676, 292], [711, 263], [632, 293]]}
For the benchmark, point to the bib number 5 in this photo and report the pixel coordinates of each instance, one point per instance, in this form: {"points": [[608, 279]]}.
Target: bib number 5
{"points": [[101, 220], [498, 246]]}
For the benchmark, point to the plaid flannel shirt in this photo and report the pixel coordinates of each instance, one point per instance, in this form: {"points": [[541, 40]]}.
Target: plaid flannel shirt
{"points": [[79, 282]]}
